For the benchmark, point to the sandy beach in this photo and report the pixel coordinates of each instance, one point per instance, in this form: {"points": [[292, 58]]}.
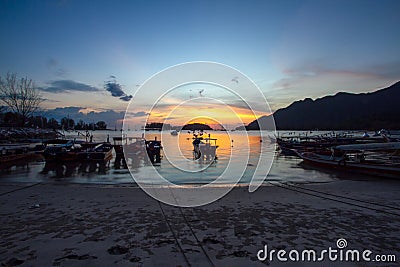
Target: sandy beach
{"points": [[100, 225]]}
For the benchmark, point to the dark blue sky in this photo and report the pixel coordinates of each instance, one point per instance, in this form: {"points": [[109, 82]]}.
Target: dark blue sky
{"points": [[292, 49]]}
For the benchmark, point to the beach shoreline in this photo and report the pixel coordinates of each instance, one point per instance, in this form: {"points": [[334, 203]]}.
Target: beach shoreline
{"points": [[100, 225]]}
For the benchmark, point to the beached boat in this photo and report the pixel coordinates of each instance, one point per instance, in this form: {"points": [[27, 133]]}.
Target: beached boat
{"points": [[204, 149], [59, 150], [97, 151], [378, 159], [290, 143], [13, 152], [70, 150]]}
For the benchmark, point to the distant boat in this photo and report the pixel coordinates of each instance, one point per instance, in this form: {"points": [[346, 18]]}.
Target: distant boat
{"points": [[174, 132], [378, 159]]}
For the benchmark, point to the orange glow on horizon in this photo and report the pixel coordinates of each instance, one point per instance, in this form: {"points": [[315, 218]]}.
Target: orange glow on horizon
{"points": [[210, 116], [205, 115]]}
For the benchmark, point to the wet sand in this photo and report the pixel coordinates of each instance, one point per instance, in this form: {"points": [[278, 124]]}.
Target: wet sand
{"points": [[99, 225]]}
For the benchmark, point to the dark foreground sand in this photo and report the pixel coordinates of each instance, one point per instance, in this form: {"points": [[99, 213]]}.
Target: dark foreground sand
{"points": [[88, 225]]}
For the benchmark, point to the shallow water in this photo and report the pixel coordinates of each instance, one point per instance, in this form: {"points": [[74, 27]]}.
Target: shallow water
{"points": [[235, 149]]}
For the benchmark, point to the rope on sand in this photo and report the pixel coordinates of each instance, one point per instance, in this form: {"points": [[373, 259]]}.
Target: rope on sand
{"points": [[20, 188], [350, 198], [191, 229], [333, 199], [173, 232]]}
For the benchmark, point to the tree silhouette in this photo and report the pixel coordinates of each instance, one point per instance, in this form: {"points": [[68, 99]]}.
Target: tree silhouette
{"points": [[20, 95]]}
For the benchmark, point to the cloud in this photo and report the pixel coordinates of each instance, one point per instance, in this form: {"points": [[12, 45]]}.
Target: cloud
{"points": [[50, 100], [171, 118], [62, 86], [51, 63], [139, 114], [126, 97], [54, 66], [111, 117], [115, 89]]}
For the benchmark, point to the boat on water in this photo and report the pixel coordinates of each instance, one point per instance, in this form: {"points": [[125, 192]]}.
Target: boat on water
{"points": [[137, 149], [71, 150], [204, 149], [97, 151], [13, 152], [378, 159], [59, 150], [288, 144], [131, 143]]}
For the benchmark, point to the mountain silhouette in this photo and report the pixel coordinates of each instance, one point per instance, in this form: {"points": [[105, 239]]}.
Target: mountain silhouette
{"points": [[343, 111], [196, 127]]}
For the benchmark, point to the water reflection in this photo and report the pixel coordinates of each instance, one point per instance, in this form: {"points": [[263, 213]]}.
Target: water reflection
{"points": [[73, 168], [284, 168]]}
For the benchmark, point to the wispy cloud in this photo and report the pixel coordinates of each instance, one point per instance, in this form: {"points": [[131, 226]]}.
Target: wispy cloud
{"points": [[62, 86], [115, 89], [139, 114], [54, 66]]}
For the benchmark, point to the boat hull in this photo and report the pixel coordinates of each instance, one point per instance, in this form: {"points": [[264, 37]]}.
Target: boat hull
{"points": [[341, 165]]}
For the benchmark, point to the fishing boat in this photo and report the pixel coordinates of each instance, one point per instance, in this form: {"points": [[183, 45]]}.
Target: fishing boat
{"points": [[204, 149], [60, 150], [153, 149], [63, 150], [13, 152], [288, 144], [137, 149], [378, 159], [96, 151]]}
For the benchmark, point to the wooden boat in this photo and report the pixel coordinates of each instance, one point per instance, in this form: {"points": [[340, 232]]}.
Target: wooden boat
{"points": [[204, 149], [289, 144], [153, 149], [59, 150], [137, 149], [131, 143], [378, 159], [97, 151], [62, 150], [14, 152]]}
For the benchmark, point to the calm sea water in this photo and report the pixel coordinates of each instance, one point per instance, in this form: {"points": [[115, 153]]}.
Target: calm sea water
{"points": [[178, 155]]}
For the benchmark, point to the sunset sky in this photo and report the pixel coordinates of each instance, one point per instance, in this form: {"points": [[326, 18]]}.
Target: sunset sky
{"points": [[291, 49]]}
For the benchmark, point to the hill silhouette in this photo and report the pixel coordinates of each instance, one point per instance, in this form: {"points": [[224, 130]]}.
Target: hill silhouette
{"points": [[369, 111], [197, 127]]}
